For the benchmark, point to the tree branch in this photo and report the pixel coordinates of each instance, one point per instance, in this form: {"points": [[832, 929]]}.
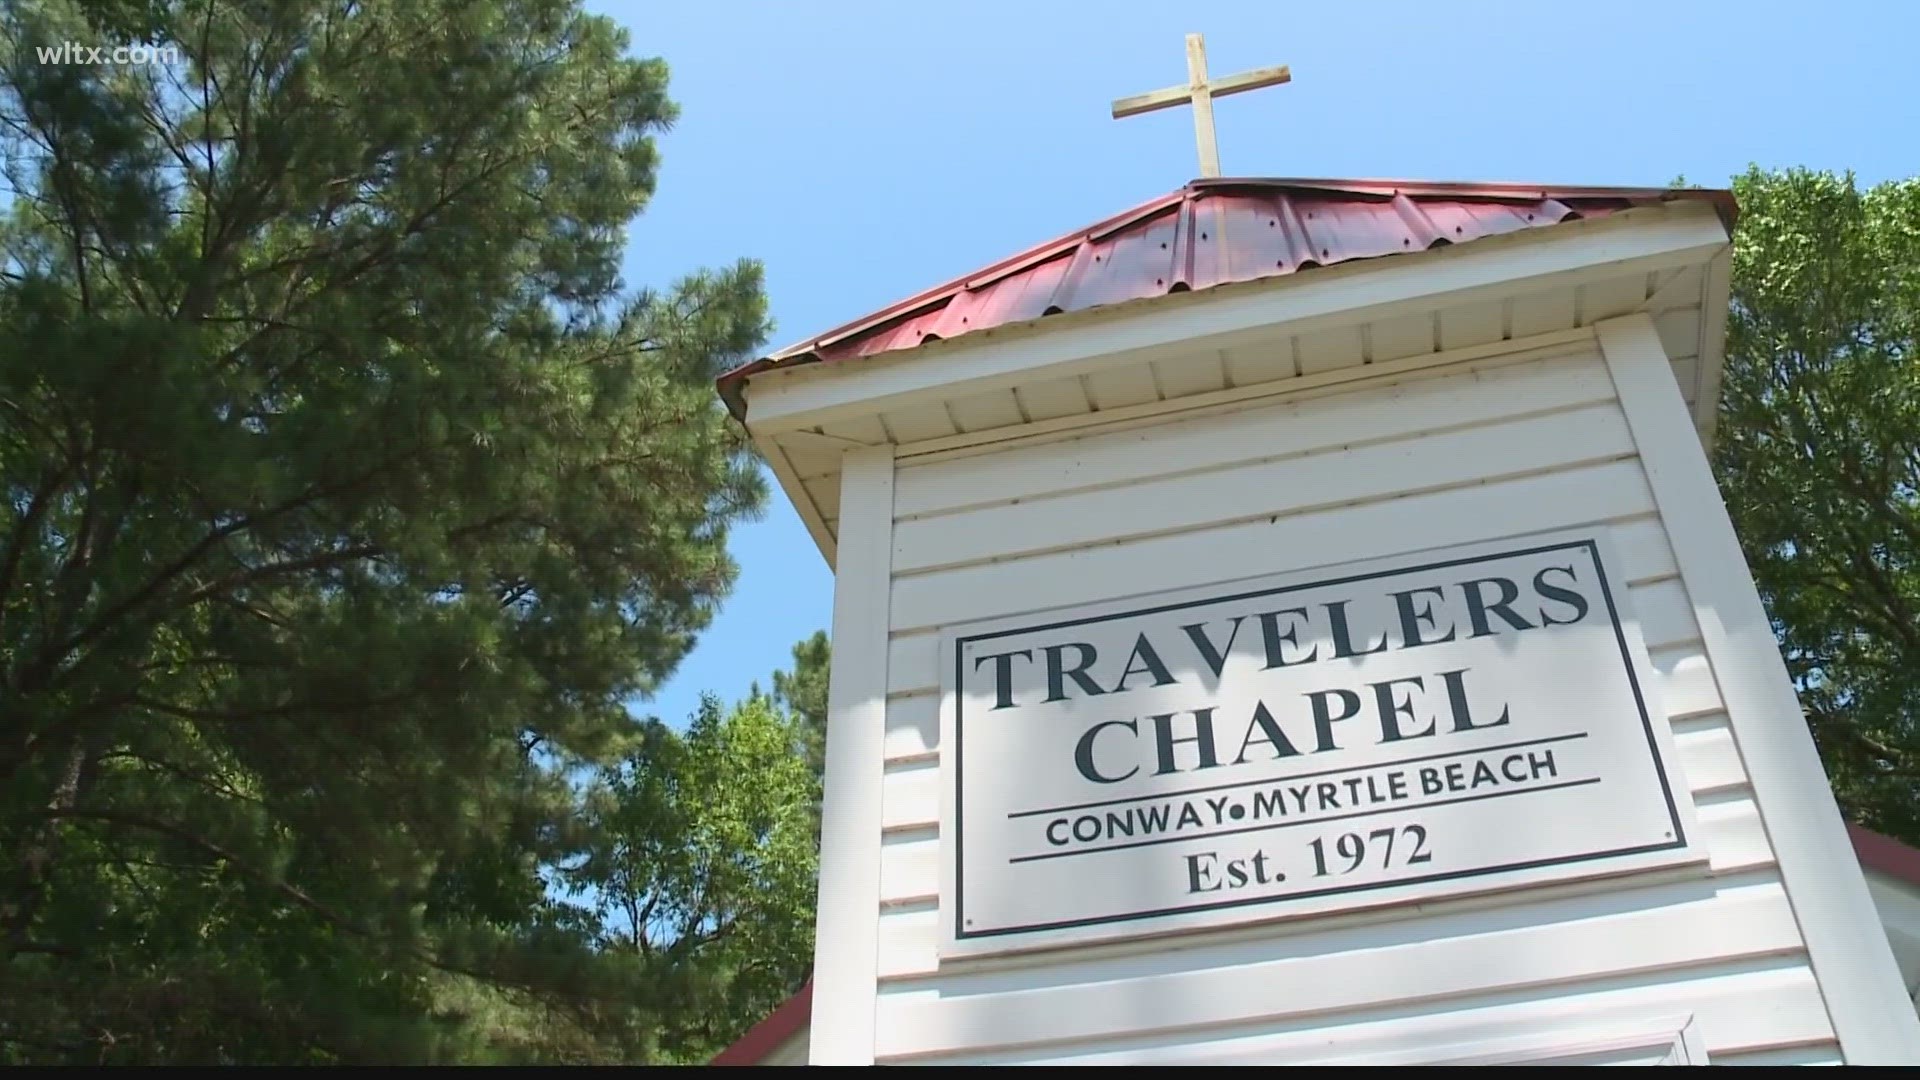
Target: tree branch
{"points": [[24, 529]]}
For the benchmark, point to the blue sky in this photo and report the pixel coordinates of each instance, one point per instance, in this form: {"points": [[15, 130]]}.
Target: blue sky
{"points": [[864, 151]]}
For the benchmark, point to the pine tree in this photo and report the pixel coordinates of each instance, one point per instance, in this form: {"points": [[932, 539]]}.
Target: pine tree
{"points": [[348, 497], [803, 693]]}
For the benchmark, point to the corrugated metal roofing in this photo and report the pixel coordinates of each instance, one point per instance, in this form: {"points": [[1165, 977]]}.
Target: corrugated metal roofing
{"points": [[1209, 233]]}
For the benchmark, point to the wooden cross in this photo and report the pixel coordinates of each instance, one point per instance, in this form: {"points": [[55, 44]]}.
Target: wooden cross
{"points": [[1200, 94]]}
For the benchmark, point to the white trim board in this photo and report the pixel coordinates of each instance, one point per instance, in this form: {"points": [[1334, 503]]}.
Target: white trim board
{"points": [[1715, 297], [847, 926], [1630, 242], [1865, 999]]}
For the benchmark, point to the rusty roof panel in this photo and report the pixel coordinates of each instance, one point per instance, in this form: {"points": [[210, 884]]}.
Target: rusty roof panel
{"points": [[1210, 233]]}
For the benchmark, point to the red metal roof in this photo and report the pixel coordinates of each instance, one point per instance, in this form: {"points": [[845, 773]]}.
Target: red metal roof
{"points": [[766, 1036], [1209, 233], [1875, 852]]}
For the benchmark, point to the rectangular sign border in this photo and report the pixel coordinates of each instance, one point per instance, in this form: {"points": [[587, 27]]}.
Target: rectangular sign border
{"points": [[960, 936]]}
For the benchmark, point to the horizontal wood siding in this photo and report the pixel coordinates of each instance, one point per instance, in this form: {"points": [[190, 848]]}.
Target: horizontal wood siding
{"points": [[1769, 1001], [1478, 455], [1205, 374]]}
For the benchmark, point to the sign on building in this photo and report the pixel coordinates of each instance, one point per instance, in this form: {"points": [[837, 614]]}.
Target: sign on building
{"points": [[1427, 726]]}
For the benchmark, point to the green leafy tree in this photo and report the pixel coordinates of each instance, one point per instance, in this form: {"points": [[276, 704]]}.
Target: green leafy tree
{"points": [[702, 866], [802, 691], [1818, 455], [347, 498]]}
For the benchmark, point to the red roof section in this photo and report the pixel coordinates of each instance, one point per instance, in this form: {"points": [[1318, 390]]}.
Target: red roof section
{"points": [[1208, 233], [1885, 854], [762, 1038], [1875, 852]]}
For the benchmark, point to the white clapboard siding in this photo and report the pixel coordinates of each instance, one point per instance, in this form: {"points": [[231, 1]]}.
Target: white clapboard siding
{"points": [[913, 719], [913, 716], [1686, 681], [1558, 440], [1256, 433], [1734, 833], [1634, 929], [1593, 493], [1708, 755], [1645, 555], [913, 663], [910, 870], [1642, 546], [1824, 1053], [913, 727], [911, 795], [1247, 493], [1661, 607], [1769, 1002]]}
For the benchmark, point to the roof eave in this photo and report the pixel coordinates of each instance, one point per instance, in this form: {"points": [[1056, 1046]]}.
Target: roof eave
{"points": [[731, 385]]}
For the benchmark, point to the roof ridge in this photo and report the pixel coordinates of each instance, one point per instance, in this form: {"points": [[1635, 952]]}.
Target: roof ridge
{"points": [[987, 274], [1353, 219]]}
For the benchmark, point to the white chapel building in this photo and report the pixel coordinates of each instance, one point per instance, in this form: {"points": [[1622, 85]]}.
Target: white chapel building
{"points": [[1293, 622]]}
